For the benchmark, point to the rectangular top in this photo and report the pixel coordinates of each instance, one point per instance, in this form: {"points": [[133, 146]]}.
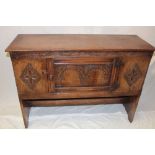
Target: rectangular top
{"points": [[75, 42]]}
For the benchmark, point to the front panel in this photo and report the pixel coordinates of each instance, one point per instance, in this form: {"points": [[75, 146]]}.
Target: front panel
{"points": [[85, 76], [85, 73]]}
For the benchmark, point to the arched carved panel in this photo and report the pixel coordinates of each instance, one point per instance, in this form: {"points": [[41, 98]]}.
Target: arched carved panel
{"points": [[87, 75]]}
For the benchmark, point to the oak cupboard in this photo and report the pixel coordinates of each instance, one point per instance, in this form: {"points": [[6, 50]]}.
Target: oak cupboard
{"points": [[77, 69]]}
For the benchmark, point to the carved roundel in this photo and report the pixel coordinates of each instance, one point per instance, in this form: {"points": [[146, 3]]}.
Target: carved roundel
{"points": [[133, 75], [30, 76]]}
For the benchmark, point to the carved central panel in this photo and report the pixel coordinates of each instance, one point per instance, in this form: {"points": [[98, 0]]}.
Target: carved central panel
{"points": [[88, 75], [30, 76]]}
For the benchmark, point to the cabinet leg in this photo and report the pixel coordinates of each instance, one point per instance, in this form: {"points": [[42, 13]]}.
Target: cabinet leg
{"points": [[25, 112], [131, 107]]}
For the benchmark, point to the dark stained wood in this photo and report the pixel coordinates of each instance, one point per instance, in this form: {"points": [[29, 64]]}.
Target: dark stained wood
{"points": [[32, 83], [79, 69], [91, 101], [82, 74], [25, 112], [131, 107], [65, 42], [75, 54], [76, 94]]}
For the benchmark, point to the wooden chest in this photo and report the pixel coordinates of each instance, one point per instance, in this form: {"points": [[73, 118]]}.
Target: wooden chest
{"points": [[53, 70]]}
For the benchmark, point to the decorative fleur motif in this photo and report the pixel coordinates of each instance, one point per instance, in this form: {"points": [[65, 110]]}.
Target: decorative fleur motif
{"points": [[85, 72], [132, 75], [30, 76]]}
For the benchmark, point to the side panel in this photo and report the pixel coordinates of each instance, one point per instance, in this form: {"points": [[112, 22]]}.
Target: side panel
{"points": [[31, 75]]}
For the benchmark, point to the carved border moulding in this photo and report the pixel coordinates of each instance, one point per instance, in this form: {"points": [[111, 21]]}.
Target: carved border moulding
{"points": [[133, 75], [30, 76]]}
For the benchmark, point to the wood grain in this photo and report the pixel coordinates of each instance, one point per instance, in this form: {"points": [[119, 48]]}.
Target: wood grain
{"points": [[62, 42], [69, 102], [53, 70]]}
